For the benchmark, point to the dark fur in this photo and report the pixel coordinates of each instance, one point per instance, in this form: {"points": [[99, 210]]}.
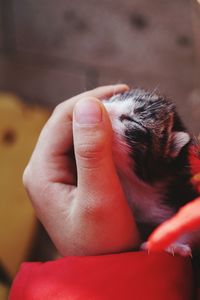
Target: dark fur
{"points": [[149, 127]]}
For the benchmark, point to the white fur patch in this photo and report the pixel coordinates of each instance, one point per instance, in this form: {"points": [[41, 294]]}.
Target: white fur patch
{"points": [[179, 139], [146, 201]]}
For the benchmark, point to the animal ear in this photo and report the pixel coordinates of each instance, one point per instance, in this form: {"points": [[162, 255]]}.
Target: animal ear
{"points": [[178, 140]]}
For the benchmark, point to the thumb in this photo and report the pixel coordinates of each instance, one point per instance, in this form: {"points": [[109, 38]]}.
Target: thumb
{"points": [[92, 134]]}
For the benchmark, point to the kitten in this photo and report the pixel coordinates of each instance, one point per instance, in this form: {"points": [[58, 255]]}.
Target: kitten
{"points": [[150, 150]]}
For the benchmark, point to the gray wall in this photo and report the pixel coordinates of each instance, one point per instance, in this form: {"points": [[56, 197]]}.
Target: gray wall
{"points": [[51, 50]]}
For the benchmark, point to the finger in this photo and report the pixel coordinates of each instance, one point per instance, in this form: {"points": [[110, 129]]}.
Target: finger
{"points": [[106, 91], [56, 137], [100, 201], [92, 133], [56, 140], [186, 220], [164, 235]]}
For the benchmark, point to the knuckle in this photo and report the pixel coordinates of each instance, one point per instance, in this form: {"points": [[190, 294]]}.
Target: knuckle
{"points": [[26, 176], [58, 108], [29, 177], [89, 151], [93, 149]]}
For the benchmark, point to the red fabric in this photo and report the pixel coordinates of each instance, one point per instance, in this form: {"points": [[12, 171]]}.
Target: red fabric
{"points": [[133, 275], [194, 161]]}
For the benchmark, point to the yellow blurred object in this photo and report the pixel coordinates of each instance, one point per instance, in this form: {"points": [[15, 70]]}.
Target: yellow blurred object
{"points": [[3, 292], [196, 177], [196, 181], [20, 126]]}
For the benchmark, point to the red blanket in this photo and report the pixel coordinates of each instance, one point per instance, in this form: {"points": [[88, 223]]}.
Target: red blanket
{"points": [[134, 275]]}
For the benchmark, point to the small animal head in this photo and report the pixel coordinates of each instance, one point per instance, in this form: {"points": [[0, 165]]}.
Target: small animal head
{"points": [[149, 126]]}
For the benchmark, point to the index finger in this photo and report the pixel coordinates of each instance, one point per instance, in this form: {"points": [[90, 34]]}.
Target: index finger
{"points": [[56, 139], [58, 128]]}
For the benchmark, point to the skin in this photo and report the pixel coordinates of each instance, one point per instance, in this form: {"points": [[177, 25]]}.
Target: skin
{"points": [[88, 215], [187, 219], [81, 204]]}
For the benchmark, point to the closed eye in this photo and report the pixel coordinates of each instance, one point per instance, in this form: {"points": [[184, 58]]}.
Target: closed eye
{"points": [[129, 119], [125, 118]]}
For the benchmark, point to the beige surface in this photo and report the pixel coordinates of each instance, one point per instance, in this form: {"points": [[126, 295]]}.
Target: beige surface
{"points": [[19, 129], [148, 44]]}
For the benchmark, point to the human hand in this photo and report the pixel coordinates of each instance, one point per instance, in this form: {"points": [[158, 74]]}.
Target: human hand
{"points": [[80, 201], [186, 220]]}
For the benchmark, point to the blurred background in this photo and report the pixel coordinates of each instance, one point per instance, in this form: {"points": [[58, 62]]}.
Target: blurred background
{"points": [[52, 50]]}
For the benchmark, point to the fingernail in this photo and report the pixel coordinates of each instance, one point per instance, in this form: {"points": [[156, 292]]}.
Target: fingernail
{"points": [[88, 112]]}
